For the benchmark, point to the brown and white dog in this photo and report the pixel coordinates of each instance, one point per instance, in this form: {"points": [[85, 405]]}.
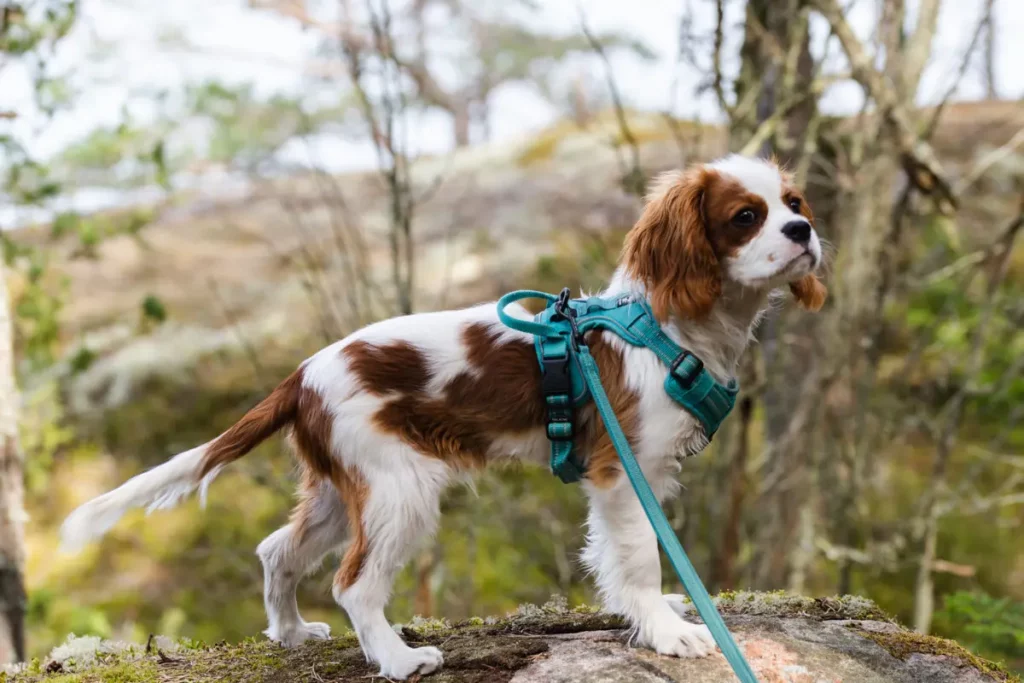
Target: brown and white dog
{"points": [[384, 419]]}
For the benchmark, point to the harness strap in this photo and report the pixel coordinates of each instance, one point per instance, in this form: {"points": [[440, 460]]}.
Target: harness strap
{"points": [[662, 529]]}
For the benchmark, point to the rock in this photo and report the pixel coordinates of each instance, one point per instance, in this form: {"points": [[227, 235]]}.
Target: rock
{"points": [[786, 639]]}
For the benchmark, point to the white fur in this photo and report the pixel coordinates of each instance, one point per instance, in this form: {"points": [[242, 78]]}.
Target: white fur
{"points": [[160, 488], [402, 509]]}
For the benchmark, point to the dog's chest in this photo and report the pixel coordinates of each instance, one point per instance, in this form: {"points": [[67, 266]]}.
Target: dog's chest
{"points": [[666, 429]]}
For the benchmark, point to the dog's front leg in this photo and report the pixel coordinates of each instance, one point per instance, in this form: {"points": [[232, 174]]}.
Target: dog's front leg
{"points": [[622, 552]]}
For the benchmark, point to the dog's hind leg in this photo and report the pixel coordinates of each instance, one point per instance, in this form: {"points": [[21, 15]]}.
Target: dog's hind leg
{"points": [[316, 528], [397, 500]]}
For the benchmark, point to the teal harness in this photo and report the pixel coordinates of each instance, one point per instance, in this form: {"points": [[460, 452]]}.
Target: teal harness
{"points": [[570, 378]]}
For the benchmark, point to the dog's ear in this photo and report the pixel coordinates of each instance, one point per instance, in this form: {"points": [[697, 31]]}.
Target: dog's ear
{"points": [[809, 292], [668, 248]]}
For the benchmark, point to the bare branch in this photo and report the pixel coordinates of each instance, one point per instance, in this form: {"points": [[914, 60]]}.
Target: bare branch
{"points": [[717, 78], [634, 180], [919, 45], [919, 159], [988, 161]]}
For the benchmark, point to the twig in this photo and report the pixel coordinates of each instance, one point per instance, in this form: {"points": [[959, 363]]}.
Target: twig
{"points": [[965, 64], [634, 180], [919, 159], [988, 161], [716, 59]]}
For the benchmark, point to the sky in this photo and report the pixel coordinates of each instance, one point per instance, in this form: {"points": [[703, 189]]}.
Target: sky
{"points": [[235, 44]]}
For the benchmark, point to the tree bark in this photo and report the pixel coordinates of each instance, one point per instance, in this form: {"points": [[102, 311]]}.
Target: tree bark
{"points": [[12, 512], [460, 124], [724, 563]]}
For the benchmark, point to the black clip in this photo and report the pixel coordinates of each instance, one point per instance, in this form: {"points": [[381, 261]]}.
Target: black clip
{"points": [[556, 379], [564, 310], [691, 377]]}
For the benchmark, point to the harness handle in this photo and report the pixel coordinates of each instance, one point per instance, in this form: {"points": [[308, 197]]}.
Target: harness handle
{"points": [[529, 326]]}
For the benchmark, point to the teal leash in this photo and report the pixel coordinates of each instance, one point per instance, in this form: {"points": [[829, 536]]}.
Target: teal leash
{"points": [[663, 530], [652, 508]]}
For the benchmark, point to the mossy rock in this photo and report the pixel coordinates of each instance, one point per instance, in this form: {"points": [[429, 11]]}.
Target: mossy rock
{"points": [[785, 638]]}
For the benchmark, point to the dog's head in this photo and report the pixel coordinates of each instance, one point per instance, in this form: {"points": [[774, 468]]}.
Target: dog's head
{"points": [[737, 219]]}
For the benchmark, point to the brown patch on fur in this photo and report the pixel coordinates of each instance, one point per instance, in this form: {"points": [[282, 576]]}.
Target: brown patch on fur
{"points": [[501, 394], [724, 199], [354, 491], [809, 292], [383, 369], [668, 250], [312, 436], [603, 464], [302, 513], [676, 247], [311, 433], [269, 415]]}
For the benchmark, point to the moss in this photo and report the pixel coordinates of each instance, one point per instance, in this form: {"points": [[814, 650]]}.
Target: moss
{"points": [[902, 643], [130, 672], [783, 604], [542, 148], [476, 650]]}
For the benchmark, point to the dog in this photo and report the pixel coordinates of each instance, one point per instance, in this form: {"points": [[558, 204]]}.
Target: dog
{"points": [[383, 420]]}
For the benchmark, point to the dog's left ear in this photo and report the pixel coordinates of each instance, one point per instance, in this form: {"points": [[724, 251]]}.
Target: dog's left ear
{"points": [[809, 292], [668, 248]]}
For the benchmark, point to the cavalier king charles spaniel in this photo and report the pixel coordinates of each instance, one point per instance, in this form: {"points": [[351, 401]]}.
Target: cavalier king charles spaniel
{"points": [[383, 420]]}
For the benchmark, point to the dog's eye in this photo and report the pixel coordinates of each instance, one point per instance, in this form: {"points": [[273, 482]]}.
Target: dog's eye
{"points": [[745, 218], [795, 205]]}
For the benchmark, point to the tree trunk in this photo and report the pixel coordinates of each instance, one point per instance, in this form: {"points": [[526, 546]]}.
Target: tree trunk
{"points": [[780, 336], [724, 563], [460, 124], [12, 512], [924, 587], [991, 91]]}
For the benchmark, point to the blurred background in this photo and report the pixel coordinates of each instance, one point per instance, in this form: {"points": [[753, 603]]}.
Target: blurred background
{"points": [[196, 195]]}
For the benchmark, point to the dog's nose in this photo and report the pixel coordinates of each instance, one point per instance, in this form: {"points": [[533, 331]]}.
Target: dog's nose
{"points": [[798, 231]]}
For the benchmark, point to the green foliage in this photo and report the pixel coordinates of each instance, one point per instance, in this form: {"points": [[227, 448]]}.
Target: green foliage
{"points": [[992, 627], [81, 359], [153, 309], [37, 310], [247, 129], [27, 27], [44, 434]]}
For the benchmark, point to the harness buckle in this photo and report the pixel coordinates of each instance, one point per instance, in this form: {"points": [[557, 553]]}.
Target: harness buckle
{"points": [[691, 377], [556, 379], [556, 386]]}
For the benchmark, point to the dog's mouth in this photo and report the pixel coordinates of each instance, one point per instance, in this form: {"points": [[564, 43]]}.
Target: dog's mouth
{"points": [[800, 265]]}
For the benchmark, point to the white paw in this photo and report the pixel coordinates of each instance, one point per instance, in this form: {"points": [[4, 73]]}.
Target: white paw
{"points": [[296, 635], [682, 639], [420, 660]]}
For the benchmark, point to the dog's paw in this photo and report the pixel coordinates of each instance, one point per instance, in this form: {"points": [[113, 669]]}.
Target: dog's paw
{"points": [[420, 660], [296, 635], [682, 639]]}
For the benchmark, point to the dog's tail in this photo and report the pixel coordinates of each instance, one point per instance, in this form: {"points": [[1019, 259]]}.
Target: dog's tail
{"points": [[166, 485]]}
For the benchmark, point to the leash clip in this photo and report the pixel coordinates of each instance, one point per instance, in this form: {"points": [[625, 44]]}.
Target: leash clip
{"points": [[563, 309]]}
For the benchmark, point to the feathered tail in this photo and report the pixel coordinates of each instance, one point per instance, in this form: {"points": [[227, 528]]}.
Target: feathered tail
{"points": [[166, 485]]}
